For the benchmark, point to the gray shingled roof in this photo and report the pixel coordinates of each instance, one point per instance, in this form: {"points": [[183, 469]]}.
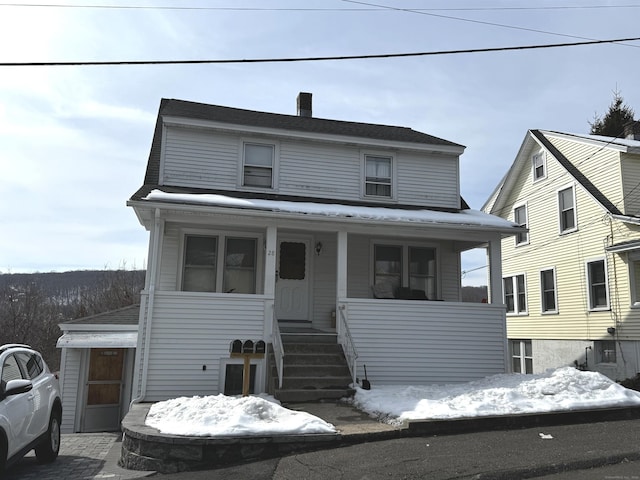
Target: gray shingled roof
{"points": [[250, 118], [122, 316]]}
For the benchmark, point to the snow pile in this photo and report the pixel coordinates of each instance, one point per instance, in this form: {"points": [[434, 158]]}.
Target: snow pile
{"points": [[221, 415], [556, 390]]}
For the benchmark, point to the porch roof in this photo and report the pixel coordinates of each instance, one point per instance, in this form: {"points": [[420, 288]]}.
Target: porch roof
{"points": [[466, 218], [98, 340]]}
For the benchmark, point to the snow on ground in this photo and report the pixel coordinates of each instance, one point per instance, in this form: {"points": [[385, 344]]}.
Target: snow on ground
{"points": [[556, 390]]}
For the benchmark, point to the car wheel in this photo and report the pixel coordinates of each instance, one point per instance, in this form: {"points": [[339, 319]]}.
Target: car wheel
{"points": [[47, 450]]}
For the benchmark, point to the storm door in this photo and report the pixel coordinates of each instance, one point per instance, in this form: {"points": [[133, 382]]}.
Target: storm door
{"points": [[104, 390], [292, 280]]}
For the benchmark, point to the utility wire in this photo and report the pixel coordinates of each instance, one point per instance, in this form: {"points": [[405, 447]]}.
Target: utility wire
{"points": [[314, 59]]}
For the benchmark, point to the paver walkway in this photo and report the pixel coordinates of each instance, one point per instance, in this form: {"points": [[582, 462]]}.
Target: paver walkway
{"points": [[83, 456]]}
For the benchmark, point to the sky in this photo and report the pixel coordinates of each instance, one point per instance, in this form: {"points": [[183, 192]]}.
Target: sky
{"points": [[74, 140], [563, 389]]}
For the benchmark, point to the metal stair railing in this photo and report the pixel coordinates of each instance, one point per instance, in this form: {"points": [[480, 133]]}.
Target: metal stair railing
{"points": [[346, 341]]}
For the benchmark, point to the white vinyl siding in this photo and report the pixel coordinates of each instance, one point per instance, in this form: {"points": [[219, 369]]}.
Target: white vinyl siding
{"points": [[191, 334], [69, 382], [431, 342], [203, 158]]}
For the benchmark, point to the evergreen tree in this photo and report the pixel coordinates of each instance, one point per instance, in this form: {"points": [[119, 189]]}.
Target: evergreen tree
{"points": [[612, 124]]}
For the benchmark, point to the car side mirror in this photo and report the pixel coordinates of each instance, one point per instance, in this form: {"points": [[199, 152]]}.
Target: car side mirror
{"points": [[15, 387]]}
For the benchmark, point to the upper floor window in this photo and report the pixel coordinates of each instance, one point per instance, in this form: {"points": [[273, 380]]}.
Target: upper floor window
{"points": [[203, 272], [258, 165], [597, 285], [539, 166], [567, 210], [378, 171], [515, 294], [405, 271], [520, 217], [548, 291]]}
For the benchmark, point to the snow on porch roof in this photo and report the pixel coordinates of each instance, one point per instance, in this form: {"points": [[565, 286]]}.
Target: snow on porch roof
{"points": [[463, 217], [98, 340]]}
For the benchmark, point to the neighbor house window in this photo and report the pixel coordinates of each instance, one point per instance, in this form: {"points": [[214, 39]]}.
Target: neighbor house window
{"points": [[378, 176], [521, 356], [407, 271], [203, 272], [597, 285], [605, 351], [567, 210], [539, 167], [634, 276], [548, 291], [515, 294], [520, 217], [258, 162]]}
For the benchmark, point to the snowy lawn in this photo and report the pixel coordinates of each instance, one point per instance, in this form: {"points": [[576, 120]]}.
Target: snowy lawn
{"points": [[557, 390]]}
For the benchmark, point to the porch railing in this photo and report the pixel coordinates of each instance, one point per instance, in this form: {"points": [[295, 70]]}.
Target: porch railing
{"points": [[278, 350], [346, 340]]}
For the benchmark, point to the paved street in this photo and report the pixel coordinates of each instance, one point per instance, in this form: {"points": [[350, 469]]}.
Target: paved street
{"points": [[82, 456]]}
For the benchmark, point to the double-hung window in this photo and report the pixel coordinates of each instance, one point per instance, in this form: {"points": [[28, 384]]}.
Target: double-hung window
{"points": [[567, 210], [634, 277], [548, 291], [412, 268], [520, 217], [521, 356], [539, 166], [258, 165], [597, 285], [204, 272], [515, 294], [378, 172]]}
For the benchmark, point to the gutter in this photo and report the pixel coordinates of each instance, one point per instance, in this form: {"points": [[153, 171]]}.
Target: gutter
{"points": [[155, 253]]}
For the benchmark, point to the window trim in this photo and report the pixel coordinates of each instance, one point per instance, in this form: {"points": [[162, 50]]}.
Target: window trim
{"points": [[634, 294], [575, 210], [525, 224], [404, 268], [588, 262], [275, 167], [221, 235], [540, 154], [516, 312], [555, 292], [363, 175]]}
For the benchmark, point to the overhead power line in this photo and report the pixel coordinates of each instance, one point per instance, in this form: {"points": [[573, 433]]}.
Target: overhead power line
{"points": [[313, 59]]}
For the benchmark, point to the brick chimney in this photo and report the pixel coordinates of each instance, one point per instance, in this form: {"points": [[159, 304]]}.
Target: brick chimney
{"points": [[632, 130], [304, 104]]}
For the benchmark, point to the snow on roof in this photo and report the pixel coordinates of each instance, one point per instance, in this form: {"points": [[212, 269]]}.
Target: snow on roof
{"points": [[463, 217]]}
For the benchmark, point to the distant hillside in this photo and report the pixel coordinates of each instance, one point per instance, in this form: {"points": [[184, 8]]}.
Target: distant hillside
{"points": [[474, 294]]}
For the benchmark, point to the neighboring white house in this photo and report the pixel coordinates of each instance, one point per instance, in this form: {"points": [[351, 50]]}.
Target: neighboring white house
{"points": [[96, 369], [262, 223], [572, 283]]}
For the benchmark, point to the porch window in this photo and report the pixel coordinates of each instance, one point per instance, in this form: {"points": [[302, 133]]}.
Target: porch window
{"points": [[378, 176], [515, 294], [240, 265], [597, 285], [258, 165], [406, 266], [521, 356], [202, 272], [200, 259]]}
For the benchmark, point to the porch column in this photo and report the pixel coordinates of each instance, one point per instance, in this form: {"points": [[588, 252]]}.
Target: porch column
{"points": [[270, 261], [341, 266], [494, 259]]}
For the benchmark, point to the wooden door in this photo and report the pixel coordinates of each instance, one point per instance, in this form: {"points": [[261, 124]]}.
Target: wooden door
{"points": [[104, 389]]}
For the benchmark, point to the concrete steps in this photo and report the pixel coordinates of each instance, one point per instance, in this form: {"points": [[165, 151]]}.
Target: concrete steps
{"points": [[314, 369]]}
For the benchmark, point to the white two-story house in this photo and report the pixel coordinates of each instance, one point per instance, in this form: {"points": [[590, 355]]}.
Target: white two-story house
{"points": [[263, 225]]}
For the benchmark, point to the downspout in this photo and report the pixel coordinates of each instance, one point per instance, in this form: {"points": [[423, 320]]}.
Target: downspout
{"points": [[153, 266]]}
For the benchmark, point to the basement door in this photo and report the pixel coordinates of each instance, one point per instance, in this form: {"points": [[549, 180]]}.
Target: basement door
{"points": [[292, 279], [104, 390]]}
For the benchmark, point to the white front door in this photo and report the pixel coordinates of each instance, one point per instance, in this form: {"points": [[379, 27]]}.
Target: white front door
{"points": [[292, 279]]}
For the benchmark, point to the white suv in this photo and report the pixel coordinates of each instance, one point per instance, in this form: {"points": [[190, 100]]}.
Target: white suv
{"points": [[30, 406]]}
